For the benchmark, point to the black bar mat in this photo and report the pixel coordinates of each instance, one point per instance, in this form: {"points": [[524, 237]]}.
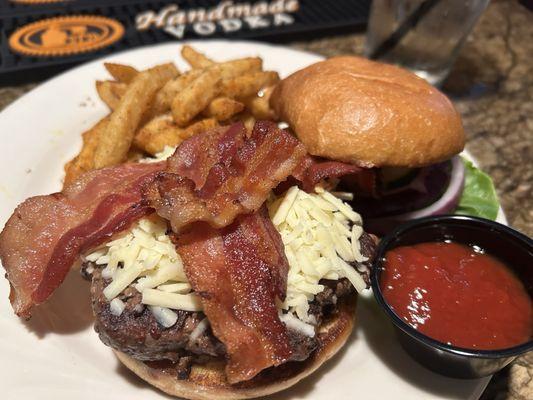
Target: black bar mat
{"points": [[41, 37]]}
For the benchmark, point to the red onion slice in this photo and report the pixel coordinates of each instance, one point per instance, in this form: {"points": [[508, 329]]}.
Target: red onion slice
{"points": [[445, 204]]}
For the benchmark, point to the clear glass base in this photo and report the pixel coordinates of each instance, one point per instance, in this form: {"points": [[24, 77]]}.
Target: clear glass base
{"points": [[433, 78]]}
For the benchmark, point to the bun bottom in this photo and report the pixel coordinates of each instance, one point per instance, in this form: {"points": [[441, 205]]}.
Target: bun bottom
{"points": [[208, 381]]}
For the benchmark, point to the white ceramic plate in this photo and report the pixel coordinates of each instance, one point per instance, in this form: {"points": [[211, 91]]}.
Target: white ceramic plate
{"points": [[57, 355]]}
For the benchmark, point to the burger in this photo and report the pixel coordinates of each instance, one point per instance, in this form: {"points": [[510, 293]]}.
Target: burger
{"points": [[210, 278], [156, 325], [404, 134]]}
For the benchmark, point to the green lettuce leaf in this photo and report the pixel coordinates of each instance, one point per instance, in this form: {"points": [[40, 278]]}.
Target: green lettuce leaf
{"points": [[479, 198]]}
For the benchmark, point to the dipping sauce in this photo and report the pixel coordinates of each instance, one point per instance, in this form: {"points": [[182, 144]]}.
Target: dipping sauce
{"points": [[457, 295]]}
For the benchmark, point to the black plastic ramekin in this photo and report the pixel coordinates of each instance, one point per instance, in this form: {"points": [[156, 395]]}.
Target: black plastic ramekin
{"points": [[506, 244]]}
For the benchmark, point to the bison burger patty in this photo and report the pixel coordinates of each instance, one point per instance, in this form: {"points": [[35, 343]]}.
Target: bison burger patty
{"points": [[137, 333]]}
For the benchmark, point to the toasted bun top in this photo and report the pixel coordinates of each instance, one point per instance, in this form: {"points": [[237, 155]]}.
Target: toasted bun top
{"points": [[367, 113], [208, 381]]}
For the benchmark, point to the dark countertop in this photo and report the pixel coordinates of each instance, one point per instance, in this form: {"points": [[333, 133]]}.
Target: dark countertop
{"points": [[492, 86]]}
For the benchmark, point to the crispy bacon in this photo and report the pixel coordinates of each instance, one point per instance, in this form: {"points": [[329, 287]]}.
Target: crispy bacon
{"points": [[195, 157], [312, 170], [218, 175], [46, 234], [238, 271]]}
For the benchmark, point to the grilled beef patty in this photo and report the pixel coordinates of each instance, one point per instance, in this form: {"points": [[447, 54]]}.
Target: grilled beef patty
{"points": [[137, 333]]}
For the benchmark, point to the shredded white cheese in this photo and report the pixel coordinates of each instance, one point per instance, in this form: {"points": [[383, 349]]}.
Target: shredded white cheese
{"points": [[180, 288], [186, 302], [164, 316], [146, 258], [321, 237], [117, 306], [199, 330], [297, 325], [162, 155]]}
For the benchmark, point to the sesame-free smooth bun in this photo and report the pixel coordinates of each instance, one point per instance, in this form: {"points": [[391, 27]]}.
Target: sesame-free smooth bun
{"points": [[368, 113], [208, 382]]}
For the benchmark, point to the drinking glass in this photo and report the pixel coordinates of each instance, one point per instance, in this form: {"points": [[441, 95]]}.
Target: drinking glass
{"points": [[424, 36]]}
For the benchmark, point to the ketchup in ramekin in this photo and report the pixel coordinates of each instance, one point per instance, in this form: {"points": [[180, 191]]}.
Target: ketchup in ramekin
{"points": [[457, 295]]}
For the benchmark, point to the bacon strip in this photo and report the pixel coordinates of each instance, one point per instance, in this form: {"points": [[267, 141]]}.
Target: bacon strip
{"points": [[238, 271], [312, 170], [195, 157], [45, 235], [218, 175]]}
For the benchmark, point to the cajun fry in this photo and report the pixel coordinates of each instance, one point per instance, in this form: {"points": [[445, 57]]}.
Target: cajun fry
{"points": [[248, 120], [157, 133], [247, 85], [162, 131], [84, 161], [158, 107], [198, 127], [110, 92], [118, 88], [121, 73], [195, 58], [223, 108], [194, 98], [259, 105], [234, 68], [166, 69], [164, 97], [119, 132], [106, 94]]}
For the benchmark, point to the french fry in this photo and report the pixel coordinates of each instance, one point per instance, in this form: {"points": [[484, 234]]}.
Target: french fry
{"points": [[158, 133], [248, 120], [234, 68], [248, 85], [110, 92], [164, 97], [227, 70], [195, 97], [162, 131], [103, 88], [84, 161], [119, 132], [159, 107], [118, 88], [165, 70], [195, 58], [259, 105], [223, 108], [122, 73], [199, 127]]}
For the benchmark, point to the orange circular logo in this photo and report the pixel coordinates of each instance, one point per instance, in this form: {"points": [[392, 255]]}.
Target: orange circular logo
{"points": [[66, 35]]}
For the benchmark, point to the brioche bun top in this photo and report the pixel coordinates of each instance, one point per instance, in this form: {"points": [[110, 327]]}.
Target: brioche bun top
{"points": [[368, 113]]}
